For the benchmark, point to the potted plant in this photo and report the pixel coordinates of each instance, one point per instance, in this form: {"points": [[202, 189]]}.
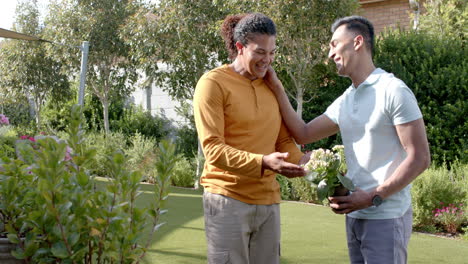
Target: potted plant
{"points": [[326, 169], [53, 210]]}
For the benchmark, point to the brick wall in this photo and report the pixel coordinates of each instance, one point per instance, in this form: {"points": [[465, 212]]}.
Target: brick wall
{"points": [[386, 13]]}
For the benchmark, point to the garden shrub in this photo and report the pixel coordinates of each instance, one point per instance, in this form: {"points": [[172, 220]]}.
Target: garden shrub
{"points": [[186, 135], [18, 113], [55, 115], [134, 119], [141, 154], [8, 138], [301, 190], [436, 70], [54, 212], [285, 187], [105, 145], [184, 173], [186, 141], [436, 186], [92, 111]]}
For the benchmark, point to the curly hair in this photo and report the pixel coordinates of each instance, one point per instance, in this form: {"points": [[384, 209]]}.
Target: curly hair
{"points": [[241, 27]]}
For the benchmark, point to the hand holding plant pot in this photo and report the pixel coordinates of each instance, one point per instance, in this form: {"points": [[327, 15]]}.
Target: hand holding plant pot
{"points": [[326, 169]]}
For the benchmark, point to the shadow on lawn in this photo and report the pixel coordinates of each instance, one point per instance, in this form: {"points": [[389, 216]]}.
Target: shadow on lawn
{"points": [[183, 205], [182, 236]]}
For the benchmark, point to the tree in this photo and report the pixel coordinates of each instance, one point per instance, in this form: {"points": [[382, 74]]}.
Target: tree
{"points": [[451, 17], [111, 71], [303, 36], [174, 43], [190, 44], [27, 71]]}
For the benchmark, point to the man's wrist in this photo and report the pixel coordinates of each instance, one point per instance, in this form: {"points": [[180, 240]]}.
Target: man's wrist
{"points": [[376, 198]]}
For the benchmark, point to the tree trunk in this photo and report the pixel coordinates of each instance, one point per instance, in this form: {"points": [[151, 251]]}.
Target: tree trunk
{"points": [[37, 109], [148, 93], [105, 111], [38, 119], [32, 105], [300, 101]]}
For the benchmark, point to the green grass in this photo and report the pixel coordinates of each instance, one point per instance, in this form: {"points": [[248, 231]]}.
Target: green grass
{"points": [[310, 234]]}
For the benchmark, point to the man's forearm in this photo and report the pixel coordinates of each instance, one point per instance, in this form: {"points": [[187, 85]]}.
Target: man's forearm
{"points": [[408, 170], [413, 138], [294, 123]]}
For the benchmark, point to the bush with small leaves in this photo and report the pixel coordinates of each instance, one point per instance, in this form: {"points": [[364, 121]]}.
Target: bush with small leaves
{"points": [[56, 211]]}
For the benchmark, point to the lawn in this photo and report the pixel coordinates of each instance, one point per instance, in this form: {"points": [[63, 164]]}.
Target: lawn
{"points": [[310, 234]]}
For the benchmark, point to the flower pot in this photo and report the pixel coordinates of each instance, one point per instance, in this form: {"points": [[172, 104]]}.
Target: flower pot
{"points": [[341, 191], [5, 256]]}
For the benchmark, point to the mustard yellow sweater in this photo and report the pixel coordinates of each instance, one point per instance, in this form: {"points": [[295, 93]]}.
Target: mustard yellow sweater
{"points": [[238, 121]]}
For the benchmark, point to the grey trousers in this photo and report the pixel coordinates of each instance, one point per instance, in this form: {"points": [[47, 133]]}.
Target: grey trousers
{"points": [[241, 233], [383, 241]]}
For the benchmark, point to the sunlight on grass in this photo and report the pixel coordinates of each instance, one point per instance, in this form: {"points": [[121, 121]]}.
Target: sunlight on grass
{"points": [[310, 234]]}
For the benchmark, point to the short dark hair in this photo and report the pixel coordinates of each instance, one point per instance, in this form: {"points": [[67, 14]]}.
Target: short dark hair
{"points": [[241, 27], [359, 25]]}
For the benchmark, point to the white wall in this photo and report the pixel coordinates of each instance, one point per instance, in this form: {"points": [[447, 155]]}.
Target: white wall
{"points": [[159, 103]]}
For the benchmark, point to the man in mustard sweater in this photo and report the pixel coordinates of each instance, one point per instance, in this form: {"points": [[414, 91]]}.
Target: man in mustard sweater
{"points": [[245, 144]]}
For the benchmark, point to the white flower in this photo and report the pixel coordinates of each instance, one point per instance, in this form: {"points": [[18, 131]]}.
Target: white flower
{"points": [[326, 169]]}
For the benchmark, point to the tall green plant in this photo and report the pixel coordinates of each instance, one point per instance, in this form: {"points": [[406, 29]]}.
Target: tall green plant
{"points": [[56, 211]]}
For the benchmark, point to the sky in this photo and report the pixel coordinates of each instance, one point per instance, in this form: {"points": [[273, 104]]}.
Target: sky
{"points": [[8, 8]]}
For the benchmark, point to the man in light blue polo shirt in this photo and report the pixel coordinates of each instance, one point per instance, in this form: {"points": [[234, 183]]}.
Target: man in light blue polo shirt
{"points": [[385, 145]]}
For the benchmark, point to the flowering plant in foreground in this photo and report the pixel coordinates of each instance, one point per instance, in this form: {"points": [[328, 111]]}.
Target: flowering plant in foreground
{"points": [[326, 169], [450, 217], [4, 120]]}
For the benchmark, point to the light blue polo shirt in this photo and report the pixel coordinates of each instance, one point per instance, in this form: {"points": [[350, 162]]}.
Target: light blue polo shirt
{"points": [[367, 116]]}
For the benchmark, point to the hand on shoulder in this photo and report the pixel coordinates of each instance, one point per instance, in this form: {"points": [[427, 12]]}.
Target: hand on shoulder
{"points": [[272, 81]]}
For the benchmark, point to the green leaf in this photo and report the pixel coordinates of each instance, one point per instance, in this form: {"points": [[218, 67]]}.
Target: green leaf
{"points": [[346, 182], [13, 238], [156, 227], [73, 239], [82, 178], [59, 250], [135, 177], [31, 248], [118, 158], [322, 190], [163, 212], [311, 176], [42, 251], [18, 253]]}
